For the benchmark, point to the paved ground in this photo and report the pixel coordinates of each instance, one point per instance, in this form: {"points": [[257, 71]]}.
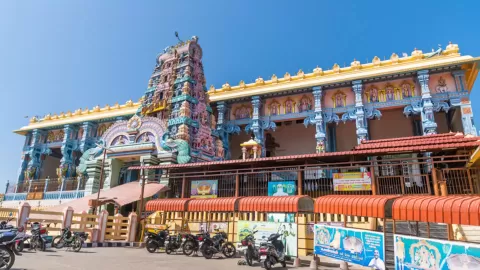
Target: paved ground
{"points": [[124, 259]]}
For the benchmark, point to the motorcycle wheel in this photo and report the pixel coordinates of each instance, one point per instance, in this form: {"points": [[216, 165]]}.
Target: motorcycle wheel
{"points": [[168, 249], [208, 253], [267, 264], [7, 258], [58, 242], [187, 248], [41, 244], [151, 246], [77, 245], [20, 246], [249, 257], [229, 250]]}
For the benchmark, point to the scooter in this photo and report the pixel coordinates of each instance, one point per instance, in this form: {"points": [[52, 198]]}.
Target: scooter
{"points": [[271, 251]]}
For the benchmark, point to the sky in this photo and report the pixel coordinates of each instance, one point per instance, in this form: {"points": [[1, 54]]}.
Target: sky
{"points": [[57, 56]]}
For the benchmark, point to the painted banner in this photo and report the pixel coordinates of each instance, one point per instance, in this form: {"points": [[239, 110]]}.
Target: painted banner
{"points": [[265, 229], [311, 226], [422, 253], [352, 181], [212, 227], [281, 188], [361, 247], [204, 189]]}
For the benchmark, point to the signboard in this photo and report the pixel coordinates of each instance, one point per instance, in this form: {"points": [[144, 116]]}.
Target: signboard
{"points": [[352, 181], [212, 227], [281, 188], [361, 247], [265, 229], [422, 253], [204, 189], [311, 226]]}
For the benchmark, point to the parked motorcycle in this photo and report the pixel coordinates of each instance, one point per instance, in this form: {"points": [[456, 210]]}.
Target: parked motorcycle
{"points": [[251, 253], [193, 243], [271, 252], [37, 239], [174, 243], [156, 240], [68, 239], [7, 247], [217, 244]]}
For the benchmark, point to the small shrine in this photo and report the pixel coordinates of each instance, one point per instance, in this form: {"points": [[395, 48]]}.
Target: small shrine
{"points": [[251, 149]]}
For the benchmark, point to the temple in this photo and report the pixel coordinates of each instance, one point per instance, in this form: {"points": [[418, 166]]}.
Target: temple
{"points": [[326, 114]]}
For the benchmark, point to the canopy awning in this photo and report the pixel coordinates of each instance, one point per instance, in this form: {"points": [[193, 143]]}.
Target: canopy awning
{"points": [[121, 195], [214, 205], [272, 204], [462, 210], [353, 205], [170, 205]]}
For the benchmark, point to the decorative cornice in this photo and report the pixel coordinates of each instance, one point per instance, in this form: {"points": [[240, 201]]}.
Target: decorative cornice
{"points": [[80, 116], [318, 77]]}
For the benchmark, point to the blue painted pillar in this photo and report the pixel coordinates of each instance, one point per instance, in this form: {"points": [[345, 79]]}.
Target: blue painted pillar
{"points": [[320, 135], [87, 141], [459, 77], [224, 135], [34, 152], [360, 120], [256, 127], [66, 163], [429, 125], [467, 118]]}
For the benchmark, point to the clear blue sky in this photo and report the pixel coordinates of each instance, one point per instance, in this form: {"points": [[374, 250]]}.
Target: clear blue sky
{"points": [[62, 55]]}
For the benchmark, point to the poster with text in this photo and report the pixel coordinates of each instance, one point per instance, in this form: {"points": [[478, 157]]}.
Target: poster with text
{"points": [[422, 253], [281, 188], [311, 226], [204, 189], [361, 247], [213, 227], [352, 181], [265, 229]]}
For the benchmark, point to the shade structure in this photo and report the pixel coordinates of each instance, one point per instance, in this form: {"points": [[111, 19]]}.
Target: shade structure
{"points": [[170, 205], [462, 210], [272, 204], [353, 205], [121, 195], [214, 205]]}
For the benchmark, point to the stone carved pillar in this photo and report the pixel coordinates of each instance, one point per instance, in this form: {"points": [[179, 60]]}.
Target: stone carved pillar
{"points": [[256, 127], [87, 141], [429, 125], [224, 135], [66, 162], [34, 153], [320, 135], [467, 118], [360, 120]]}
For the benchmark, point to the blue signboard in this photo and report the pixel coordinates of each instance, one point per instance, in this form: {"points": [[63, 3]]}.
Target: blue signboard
{"points": [[422, 253], [361, 247]]}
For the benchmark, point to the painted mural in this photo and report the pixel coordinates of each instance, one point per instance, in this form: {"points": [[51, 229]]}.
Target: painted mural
{"points": [[422, 253], [288, 105], [361, 247], [339, 98]]}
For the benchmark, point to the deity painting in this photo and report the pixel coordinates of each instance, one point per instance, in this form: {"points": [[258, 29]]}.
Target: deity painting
{"points": [[339, 99], [374, 94], [407, 90], [242, 112], [305, 104], [274, 108], [289, 106], [441, 86], [390, 92]]}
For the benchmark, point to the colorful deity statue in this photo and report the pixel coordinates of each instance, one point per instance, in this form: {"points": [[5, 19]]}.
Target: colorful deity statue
{"points": [[407, 90], [390, 93], [289, 106], [305, 104], [441, 86]]}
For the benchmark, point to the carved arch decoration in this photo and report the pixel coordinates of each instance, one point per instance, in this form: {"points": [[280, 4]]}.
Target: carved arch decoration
{"points": [[243, 112], [289, 106], [274, 107], [145, 137], [339, 99], [151, 125], [305, 104]]}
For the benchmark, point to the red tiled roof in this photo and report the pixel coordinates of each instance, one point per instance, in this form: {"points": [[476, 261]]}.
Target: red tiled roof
{"points": [[372, 147]]}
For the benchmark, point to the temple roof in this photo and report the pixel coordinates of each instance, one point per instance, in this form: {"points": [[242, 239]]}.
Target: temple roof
{"points": [[356, 71], [80, 116]]}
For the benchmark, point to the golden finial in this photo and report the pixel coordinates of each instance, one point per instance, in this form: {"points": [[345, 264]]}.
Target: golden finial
{"points": [[226, 86], [242, 84], [336, 68], [96, 108], [116, 106], [78, 111], [274, 78], [259, 81], [47, 117], [300, 73], [212, 88], [33, 120], [69, 114], [107, 107], [318, 71], [129, 103], [287, 76], [376, 61]]}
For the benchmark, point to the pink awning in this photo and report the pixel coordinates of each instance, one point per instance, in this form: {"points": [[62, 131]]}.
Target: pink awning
{"points": [[121, 195]]}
